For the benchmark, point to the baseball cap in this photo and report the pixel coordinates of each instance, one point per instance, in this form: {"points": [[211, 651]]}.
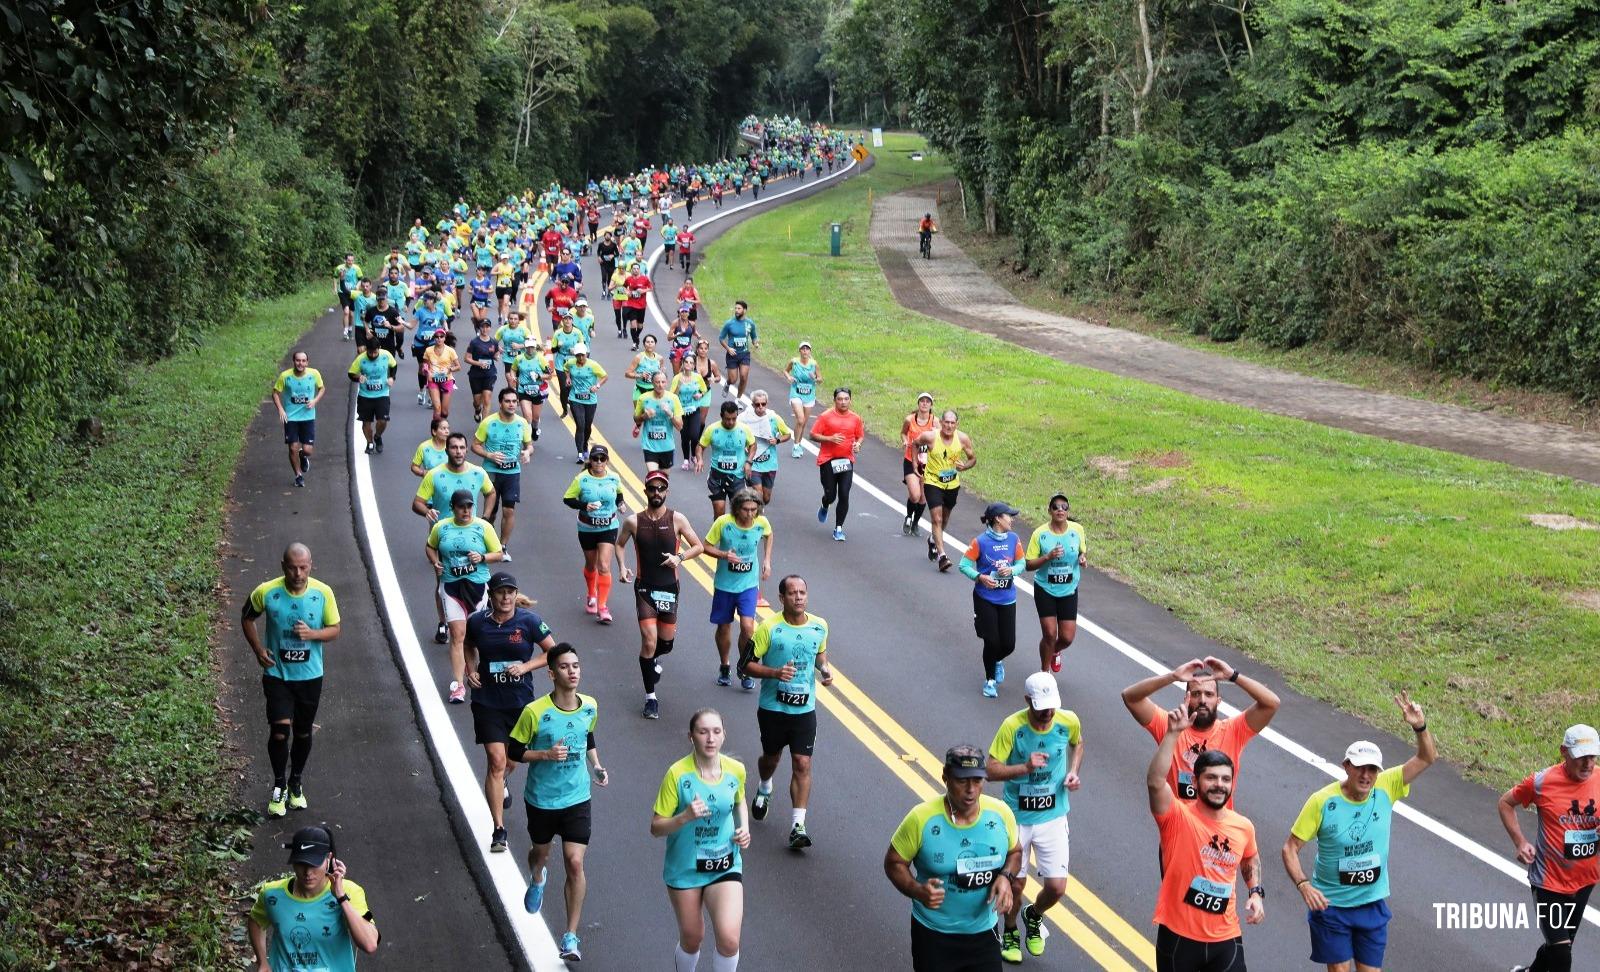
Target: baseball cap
{"points": [[580, 348], [1580, 741], [1363, 753], [657, 475], [599, 452], [502, 579], [582, 302], [965, 763], [310, 845], [1042, 693], [805, 344], [927, 395], [996, 509]]}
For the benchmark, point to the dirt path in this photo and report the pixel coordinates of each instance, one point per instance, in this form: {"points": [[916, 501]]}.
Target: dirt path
{"points": [[953, 288]]}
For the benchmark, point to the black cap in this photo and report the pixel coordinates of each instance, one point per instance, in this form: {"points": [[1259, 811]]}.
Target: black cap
{"points": [[965, 762], [310, 845], [502, 579], [996, 509], [599, 452]]}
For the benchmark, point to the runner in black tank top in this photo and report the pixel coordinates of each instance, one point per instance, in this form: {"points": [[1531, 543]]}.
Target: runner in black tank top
{"points": [[664, 539]]}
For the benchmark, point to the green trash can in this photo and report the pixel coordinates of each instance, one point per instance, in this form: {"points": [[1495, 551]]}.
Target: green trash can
{"points": [[834, 238]]}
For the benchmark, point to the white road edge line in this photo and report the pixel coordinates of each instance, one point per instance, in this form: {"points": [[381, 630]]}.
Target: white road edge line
{"points": [[1436, 827]]}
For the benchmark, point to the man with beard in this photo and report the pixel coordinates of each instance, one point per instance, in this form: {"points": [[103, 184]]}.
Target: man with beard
{"points": [[1203, 730], [663, 540], [1205, 849]]}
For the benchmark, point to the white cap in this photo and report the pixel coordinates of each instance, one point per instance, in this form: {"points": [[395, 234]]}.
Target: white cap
{"points": [[1040, 688], [580, 348], [582, 302], [1363, 753], [1580, 741]]}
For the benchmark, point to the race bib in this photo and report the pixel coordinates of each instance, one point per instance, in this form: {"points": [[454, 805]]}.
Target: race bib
{"points": [[1360, 870], [841, 465], [505, 463], [1059, 577], [439, 377], [975, 873], [375, 385], [727, 465], [1208, 896], [1186, 790], [295, 654], [737, 342], [664, 600], [803, 387], [793, 698], [462, 569], [763, 456], [299, 399], [947, 475], [713, 860], [1579, 845], [1036, 796], [657, 435], [741, 566], [499, 675], [598, 519]]}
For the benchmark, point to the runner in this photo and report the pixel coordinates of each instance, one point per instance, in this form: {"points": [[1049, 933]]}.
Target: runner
{"points": [[803, 374], [656, 417], [665, 539], [440, 483], [555, 737], [699, 809], [302, 385], [512, 337], [639, 287], [505, 441], [732, 447], [1037, 753], [530, 375], [346, 278], [669, 239], [461, 549], [1205, 849], [1056, 555], [562, 340], [644, 364], [617, 286], [562, 296], [738, 338], [948, 454], [838, 433], [596, 493], [606, 252], [383, 323], [302, 616], [440, 364], [1350, 821], [789, 653], [1563, 867], [585, 377], [481, 290], [289, 912], [768, 430], [686, 243], [992, 562], [963, 845], [432, 450], [734, 540], [373, 374], [693, 394], [482, 369], [1206, 731], [505, 643], [916, 458], [680, 339]]}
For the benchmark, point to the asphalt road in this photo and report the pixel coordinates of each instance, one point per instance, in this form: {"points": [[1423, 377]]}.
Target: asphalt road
{"points": [[902, 639]]}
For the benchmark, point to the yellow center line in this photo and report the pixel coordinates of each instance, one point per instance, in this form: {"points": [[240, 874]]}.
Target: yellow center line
{"points": [[886, 735]]}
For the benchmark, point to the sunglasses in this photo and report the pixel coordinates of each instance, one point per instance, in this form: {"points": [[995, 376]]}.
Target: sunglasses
{"points": [[1058, 509]]}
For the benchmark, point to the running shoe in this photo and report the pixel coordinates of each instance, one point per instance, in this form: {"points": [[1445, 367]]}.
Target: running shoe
{"points": [[999, 673], [297, 796], [944, 564], [933, 551], [685, 465], [305, 463], [798, 838], [569, 948], [758, 806], [1011, 947], [505, 554], [822, 513], [422, 399], [797, 451], [906, 526], [605, 614], [300, 481], [723, 678], [505, 794], [441, 635], [477, 415], [746, 682], [497, 841], [652, 709], [838, 534], [591, 606], [1055, 662], [534, 896], [1035, 932], [369, 448], [989, 690], [458, 693], [377, 440], [277, 803]]}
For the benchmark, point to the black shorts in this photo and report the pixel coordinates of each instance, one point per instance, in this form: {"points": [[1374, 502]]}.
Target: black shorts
{"points": [[1050, 606], [940, 496], [372, 409], [1174, 953], [779, 730], [722, 486], [507, 486], [727, 876], [632, 315], [936, 951], [1560, 915], [504, 293], [303, 431], [536, 398], [345, 300], [480, 383], [592, 539], [491, 725], [649, 606], [292, 701], [764, 479], [909, 468], [663, 460], [572, 824]]}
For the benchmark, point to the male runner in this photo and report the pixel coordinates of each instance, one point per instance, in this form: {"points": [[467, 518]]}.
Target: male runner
{"points": [[838, 433], [665, 539], [738, 337], [1036, 752], [373, 374], [303, 386], [505, 441], [292, 925], [733, 541], [482, 368], [732, 448], [769, 430], [346, 278], [555, 736], [1203, 730], [1350, 819], [302, 616], [947, 453]]}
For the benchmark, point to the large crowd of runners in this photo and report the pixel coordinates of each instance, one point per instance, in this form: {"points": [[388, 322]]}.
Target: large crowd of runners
{"points": [[467, 294]]}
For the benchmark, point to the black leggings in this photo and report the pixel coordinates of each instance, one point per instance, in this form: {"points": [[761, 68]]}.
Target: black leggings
{"points": [[837, 484], [693, 424], [1174, 953], [583, 419], [561, 388], [996, 626]]}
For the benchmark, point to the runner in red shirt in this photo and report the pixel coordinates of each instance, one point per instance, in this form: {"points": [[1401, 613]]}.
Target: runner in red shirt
{"points": [[685, 249], [641, 227], [639, 287], [550, 242], [1564, 866], [688, 294], [562, 296], [838, 433]]}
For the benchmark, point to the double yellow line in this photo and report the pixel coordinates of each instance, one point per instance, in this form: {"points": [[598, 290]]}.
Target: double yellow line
{"points": [[1093, 926]]}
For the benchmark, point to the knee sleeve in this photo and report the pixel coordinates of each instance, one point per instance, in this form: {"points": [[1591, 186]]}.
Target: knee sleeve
{"points": [[1555, 958], [663, 646]]}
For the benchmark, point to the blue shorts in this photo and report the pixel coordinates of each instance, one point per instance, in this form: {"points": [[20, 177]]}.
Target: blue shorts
{"points": [[735, 359], [724, 603], [508, 486], [303, 431], [1341, 934]]}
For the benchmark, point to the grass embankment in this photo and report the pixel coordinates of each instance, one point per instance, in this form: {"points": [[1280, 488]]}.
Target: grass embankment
{"points": [[1353, 565], [119, 822]]}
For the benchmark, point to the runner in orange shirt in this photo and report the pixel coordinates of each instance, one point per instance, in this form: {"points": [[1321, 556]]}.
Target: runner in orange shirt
{"points": [[1564, 866], [1205, 849], [1204, 731]]}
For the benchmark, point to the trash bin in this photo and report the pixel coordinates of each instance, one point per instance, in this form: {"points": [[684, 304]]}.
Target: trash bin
{"points": [[833, 239]]}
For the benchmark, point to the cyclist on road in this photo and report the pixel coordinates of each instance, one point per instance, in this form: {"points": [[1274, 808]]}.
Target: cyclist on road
{"points": [[926, 227], [1056, 555], [664, 539]]}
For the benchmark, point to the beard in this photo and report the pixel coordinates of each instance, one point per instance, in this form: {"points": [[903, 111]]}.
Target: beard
{"points": [[1204, 717], [656, 500], [1216, 799]]}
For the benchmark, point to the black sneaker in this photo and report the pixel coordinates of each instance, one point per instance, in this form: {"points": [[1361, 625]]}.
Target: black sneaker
{"points": [[652, 709], [441, 635], [758, 806], [299, 480], [378, 441], [497, 842], [369, 448], [305, 463], [798, 838]]}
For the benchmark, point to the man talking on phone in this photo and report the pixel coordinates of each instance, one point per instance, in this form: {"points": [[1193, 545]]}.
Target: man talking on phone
{"points": [[313, 919]]}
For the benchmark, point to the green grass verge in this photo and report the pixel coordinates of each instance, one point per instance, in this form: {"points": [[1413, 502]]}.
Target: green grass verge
{"points": [[119, 822], [1352, 565]]}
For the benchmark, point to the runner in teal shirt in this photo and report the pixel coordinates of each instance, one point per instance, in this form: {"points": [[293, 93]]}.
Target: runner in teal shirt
{"points": [[700, 809], [456, 542]]}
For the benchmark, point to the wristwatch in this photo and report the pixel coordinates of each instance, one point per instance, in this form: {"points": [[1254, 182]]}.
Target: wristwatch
{"points": [[341, 898], [1258, 889], [1234, 678]]}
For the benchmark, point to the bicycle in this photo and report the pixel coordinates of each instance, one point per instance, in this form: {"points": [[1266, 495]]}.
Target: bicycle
{"points": [[926, 245]]}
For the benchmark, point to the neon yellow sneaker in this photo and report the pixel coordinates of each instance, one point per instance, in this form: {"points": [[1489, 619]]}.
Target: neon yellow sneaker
{"points": [[1011, 947], [297, 798], [1036, 932], [275, 806]]}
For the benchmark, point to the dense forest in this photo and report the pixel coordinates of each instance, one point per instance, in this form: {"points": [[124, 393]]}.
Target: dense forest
{"points": [[1419, 178]]}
